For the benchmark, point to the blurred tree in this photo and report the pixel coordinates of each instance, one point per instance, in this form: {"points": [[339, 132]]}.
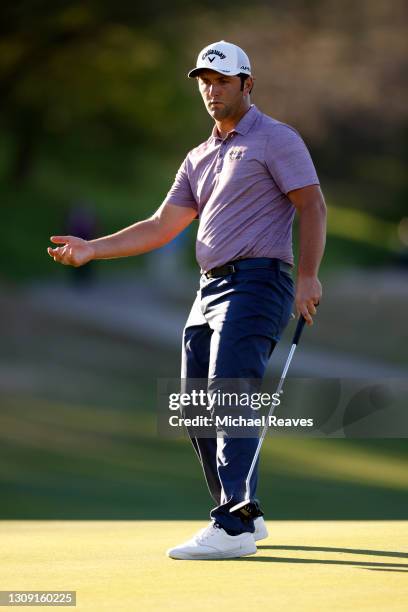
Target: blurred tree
{"points": [[336, 71], [68, 65], [113, 73]]}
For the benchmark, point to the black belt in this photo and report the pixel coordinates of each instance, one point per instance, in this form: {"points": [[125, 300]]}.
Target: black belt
{"points": [[249, 264]]}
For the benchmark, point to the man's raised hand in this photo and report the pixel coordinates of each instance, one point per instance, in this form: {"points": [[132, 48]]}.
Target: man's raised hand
{"points": [[74, 252]]}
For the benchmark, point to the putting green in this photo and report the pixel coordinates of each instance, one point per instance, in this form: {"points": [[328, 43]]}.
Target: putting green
{"points": [[121, 565]]}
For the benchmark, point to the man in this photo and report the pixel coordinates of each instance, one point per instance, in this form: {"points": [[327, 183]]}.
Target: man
{"points": [[245, 184]]}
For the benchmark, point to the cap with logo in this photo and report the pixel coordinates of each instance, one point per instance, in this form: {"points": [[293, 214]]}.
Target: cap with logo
{"points": [[223, 57]]}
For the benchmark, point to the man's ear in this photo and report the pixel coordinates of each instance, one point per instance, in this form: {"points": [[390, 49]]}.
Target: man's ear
{"points": [[249, 85]]}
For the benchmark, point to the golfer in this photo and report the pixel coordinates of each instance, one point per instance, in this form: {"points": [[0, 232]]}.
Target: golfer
{"points": [[244, 184]]}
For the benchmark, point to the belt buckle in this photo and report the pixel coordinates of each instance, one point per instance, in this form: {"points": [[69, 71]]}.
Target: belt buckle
{"points": [[209, 274]]}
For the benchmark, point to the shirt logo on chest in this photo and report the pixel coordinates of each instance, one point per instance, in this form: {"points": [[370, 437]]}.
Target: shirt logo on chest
{"points": [[236, 153]]}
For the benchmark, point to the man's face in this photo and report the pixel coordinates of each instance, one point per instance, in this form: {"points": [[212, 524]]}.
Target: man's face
{"points": [[221, 94]]}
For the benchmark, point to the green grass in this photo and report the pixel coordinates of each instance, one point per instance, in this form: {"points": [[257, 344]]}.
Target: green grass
{"points": [[311, 566], [78, 461], [125, 184], [78, 438]]}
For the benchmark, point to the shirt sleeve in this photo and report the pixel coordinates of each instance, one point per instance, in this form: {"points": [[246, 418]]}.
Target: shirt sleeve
{"points": [[288, 159], [180, 193]]}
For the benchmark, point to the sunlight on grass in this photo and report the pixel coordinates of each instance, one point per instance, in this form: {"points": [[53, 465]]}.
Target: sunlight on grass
{"points": [[359, 226], [126, 439], [327, 459]]}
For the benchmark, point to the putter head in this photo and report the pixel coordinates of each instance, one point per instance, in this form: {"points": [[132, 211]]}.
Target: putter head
{"points": [[247, 509]]}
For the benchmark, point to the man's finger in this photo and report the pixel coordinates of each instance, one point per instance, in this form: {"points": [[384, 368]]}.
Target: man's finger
{"points": [[311, 308], [307, 316], [60, 239], [55, 252], [302, 311]]}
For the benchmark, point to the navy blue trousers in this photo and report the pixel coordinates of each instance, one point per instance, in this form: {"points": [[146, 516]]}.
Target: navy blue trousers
{"points": [[233, 327]]}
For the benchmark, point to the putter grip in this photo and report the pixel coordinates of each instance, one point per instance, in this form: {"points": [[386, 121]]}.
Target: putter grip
{"points": [[299, 328]]}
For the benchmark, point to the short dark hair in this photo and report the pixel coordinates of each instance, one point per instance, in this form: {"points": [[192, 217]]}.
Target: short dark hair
{"points": [[243, 78]]}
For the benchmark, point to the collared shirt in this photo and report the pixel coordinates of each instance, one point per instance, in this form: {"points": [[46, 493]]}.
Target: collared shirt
{"points": [[239, 185]]}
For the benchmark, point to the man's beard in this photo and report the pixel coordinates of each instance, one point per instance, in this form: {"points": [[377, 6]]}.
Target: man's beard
{"points": [[219, 112]]}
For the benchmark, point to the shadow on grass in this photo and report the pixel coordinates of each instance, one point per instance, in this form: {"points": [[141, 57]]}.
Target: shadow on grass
{"points": [[384, 569], [370, 565], [354, 551], [363, 564]]}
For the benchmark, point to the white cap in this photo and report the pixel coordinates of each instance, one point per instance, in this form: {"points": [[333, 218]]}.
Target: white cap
{"points": [[223, 57]]}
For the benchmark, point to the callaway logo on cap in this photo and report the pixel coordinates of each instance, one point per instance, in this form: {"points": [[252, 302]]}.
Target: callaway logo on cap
{"points": [[223, 57]]}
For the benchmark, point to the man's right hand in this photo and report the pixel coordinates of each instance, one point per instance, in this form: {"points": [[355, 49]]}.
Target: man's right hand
{"points": [[75, 252]]}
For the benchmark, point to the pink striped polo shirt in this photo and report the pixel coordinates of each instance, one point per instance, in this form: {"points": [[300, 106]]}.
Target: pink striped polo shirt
{"points": [[239, 187]]}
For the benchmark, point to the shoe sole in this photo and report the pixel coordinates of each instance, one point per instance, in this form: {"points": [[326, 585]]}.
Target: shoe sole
{"points": [[209, 556]]}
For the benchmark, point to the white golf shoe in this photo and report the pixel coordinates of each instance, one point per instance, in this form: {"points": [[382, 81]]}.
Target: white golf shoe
{"points": [[214, 543], [261, 532]]}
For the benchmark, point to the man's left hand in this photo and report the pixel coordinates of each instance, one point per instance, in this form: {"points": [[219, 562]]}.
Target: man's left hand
{"points": [[308, 295]]}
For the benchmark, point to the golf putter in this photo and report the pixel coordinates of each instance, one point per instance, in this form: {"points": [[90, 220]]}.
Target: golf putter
{"points": [[248, 508]]}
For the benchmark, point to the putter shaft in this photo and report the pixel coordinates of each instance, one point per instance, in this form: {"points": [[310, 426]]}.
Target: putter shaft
{"points": [[296, 338]]}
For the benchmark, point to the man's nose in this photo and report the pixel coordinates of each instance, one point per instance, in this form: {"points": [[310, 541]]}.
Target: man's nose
{"points": [[213, 89]]}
